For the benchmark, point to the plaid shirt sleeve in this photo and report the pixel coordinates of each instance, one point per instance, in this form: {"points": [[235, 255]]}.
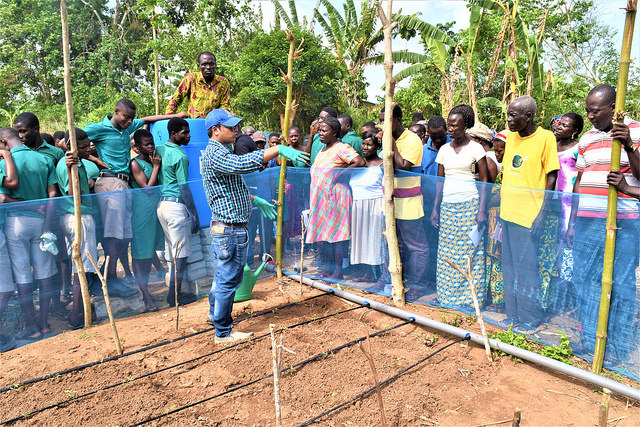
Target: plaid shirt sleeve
{"points": [[220, 160]]}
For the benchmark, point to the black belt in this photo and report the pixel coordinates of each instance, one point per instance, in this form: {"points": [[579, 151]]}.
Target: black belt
{"points": [[122, 176], [226, 225], [172, 199]]}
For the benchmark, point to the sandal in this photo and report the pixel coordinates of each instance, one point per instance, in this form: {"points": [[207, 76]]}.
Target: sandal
{"points": [[150, 309], [29, 334]]}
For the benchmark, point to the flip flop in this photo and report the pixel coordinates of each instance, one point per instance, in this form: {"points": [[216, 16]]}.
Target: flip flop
{"points": [[150, 309]]}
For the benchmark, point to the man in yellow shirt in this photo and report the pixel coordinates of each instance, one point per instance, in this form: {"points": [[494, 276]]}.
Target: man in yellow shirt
{"points": [[407, 198], [530, 164], [204, 90]]}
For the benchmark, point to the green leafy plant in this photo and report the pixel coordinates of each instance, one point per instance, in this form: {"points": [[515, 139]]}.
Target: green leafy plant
{"points": [[561, 352]]}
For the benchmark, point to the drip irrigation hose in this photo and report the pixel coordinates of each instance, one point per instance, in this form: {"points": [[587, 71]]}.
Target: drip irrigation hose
{"points": [[527, 355], [151, 347], [297, 365], [148, 374], [383, 383]]}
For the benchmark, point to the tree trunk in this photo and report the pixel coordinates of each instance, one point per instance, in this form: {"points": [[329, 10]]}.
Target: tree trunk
{"points": [[612, 201], [73, 179], [395, 265]]}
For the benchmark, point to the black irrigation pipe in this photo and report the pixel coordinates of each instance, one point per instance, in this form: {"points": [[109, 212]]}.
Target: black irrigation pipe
{"points": [[148, 374], [383, 383], [297, 365], [151, 347]]}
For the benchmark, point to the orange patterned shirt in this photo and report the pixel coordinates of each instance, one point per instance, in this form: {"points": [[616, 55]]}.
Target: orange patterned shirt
{"points": [[202, 97]]}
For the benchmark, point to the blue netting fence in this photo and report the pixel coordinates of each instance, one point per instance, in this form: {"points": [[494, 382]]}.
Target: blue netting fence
{"points": [[542, 283]]}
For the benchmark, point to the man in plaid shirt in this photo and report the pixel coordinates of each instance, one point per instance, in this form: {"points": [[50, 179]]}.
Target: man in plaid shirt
{"points": [[230, 202]]}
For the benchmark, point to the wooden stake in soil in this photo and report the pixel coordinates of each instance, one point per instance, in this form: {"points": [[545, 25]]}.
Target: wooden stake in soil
{"points": [[276, 353], [395, 265], [156, 66], [303, 230], [179, 245], [612, 200], [107, 301], [604, 408], [474, 294], [517, 416], [73, 178], [368, 354]]}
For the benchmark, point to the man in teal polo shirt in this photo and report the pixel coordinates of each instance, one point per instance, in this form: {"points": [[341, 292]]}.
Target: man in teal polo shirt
{"points": [[176, 211], [28, 127], [349, 136], [88, 245], [25, 227], [112, 139]]}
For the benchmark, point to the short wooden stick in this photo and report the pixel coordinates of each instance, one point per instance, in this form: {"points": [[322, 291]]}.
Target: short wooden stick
{"points": [[276, 373], [604, 408], [517, 416], [469, 276], [179, 245], [303, 229], [107, 302], [367, 353]]}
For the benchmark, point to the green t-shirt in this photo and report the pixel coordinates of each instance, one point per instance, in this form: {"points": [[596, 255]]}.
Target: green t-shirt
{"points": [[36, 172], [113, 145], [3, 190], [316, 146], [147, 233], [174, 169], [54, 153], [92, 169], [66, 203], [351, 138]]}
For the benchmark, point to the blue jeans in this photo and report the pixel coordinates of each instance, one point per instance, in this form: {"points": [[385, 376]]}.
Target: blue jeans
{"points": [[230, 248]]}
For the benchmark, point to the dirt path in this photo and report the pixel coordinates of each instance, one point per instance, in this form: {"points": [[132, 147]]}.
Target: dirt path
{"points": [[455, 387]]}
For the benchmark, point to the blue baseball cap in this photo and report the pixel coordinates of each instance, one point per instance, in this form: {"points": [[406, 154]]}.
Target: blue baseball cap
{"points": [[222, 117]]}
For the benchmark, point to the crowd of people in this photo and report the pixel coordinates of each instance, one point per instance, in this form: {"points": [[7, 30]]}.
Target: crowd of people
{"points": [[511, 208]]}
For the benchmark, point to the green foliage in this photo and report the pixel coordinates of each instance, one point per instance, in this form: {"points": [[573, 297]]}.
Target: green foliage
{"points": [[260, 100], [562, 352], [511, 338]]}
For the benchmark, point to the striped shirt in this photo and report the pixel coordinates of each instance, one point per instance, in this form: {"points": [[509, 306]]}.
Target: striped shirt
{"points": [[226, 191], [594, 160]]}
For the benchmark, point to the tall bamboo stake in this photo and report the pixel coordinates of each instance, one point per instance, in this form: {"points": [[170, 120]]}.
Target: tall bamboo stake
{"points": [[288, 78], [75, 183], [612, 202], [276, 353], [156, 67], [395, 265]]}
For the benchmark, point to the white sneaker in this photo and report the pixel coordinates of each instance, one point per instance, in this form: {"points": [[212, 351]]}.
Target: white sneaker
{"points": [[233, 336]]}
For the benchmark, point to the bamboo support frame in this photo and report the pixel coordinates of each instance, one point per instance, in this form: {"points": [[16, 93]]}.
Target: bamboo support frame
{"points": [[276, 353], [288, 78], [73, 179], [156, 67], [612, 201], [395, 265]]}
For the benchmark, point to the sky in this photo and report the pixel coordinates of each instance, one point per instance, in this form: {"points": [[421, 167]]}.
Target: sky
{"points": [[434, 12]]}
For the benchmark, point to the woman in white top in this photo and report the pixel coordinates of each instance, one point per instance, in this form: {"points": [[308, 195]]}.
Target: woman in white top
{"points": [[459, 207], [366, 211]]}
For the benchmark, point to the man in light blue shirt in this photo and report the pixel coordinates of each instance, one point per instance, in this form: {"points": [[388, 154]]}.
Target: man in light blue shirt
{"points": [[437, 131]]}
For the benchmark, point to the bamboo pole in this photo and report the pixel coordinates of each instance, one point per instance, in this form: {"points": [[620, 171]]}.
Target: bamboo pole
{"points": [[603, 415], [288, 79], [107, 301], [74, 181], [179, 246], [156, 66], [303, 230], [612, 201], [395, 265]]}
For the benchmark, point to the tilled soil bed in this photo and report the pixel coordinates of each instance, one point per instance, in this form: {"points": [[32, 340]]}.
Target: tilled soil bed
{"points": [[455, 387]]}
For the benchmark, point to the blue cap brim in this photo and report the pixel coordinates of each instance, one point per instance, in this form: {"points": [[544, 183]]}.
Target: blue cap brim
{"points": [[231, 122]]}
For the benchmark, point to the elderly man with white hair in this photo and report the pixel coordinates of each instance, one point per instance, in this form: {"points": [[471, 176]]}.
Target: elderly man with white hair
{"points": [[530, 162]]}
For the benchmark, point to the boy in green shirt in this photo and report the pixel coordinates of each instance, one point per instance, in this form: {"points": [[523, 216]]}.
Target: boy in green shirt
{"points": [[88, 243], [177, 211], [8, 181], [25, 227], [112, 139]]}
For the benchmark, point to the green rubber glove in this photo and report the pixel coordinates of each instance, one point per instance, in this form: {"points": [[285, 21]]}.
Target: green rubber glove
{"points": [[265, 208], [297, 157]]}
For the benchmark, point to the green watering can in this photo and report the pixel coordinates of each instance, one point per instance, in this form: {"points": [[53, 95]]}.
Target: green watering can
{"points": [[249, 279]]}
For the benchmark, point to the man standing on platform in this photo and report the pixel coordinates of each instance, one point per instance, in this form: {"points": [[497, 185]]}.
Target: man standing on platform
{"points": [[230, 202], [204, 90]]}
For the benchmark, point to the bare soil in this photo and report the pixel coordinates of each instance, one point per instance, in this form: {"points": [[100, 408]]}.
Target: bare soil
{"points": [[455, 387]]}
